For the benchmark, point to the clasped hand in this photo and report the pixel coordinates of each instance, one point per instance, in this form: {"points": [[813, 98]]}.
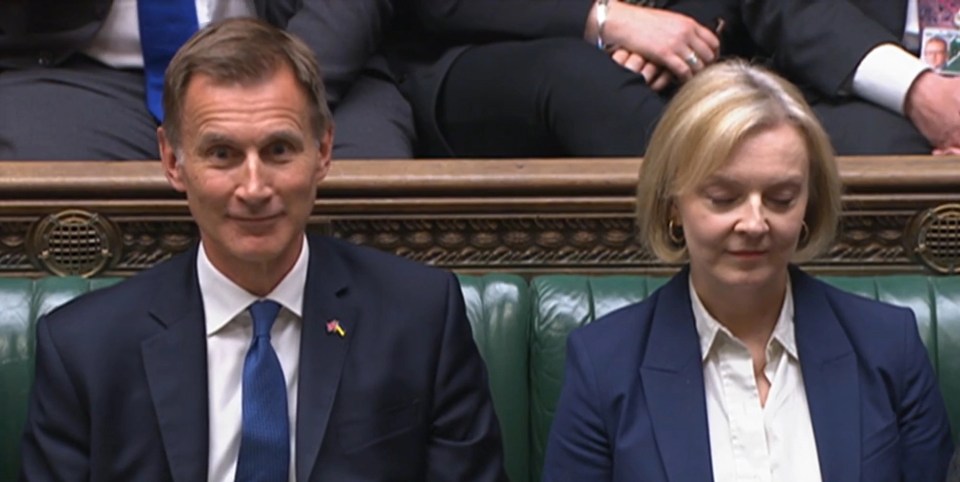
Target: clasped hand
{"points": [[933, 105], [659, 44]]}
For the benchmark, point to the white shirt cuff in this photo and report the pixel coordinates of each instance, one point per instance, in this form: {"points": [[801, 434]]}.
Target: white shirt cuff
{"points": [[885, 75]]}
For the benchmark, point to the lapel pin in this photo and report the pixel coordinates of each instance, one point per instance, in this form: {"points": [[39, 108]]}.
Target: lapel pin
{"points": [[333, 326]]}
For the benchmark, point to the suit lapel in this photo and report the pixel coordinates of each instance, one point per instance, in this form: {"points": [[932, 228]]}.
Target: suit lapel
{"points": [[830, 379], [672, 376], [175, 361], [322, 353]]}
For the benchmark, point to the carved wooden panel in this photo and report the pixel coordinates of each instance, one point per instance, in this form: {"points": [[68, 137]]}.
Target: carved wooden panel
{"points": [[543, 215], [506, 243]]}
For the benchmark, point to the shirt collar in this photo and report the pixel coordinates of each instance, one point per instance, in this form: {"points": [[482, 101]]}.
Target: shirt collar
{"points": [[223, 299], [708, 327]]}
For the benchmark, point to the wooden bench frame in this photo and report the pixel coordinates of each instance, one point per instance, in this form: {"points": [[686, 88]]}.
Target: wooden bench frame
{"points": [[516, 215]]}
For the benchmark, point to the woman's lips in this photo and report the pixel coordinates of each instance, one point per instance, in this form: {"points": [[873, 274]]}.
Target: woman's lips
{"points": [[747, 254]]}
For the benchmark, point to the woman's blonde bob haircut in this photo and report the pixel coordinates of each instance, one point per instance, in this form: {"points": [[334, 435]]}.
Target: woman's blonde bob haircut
{"points": [[705, 122]]}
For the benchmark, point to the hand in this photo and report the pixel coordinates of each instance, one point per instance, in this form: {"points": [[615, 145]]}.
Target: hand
{"points": [[657, 77], [660, 36], [933, 105]]}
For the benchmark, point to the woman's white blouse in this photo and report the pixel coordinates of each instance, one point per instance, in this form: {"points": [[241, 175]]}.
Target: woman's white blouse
{"points": [[750, 442]]}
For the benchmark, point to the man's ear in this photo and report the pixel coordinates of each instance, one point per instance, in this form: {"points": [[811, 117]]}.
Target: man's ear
{"points": [[169, 161], [324, 154]]}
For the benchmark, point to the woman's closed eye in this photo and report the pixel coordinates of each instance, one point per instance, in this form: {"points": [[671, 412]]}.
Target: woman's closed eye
{"points": [[722, 201], [783, 198], [720, 197], [782, 201]]}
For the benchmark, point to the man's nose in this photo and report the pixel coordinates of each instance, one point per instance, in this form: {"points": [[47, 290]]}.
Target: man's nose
{"points": [[254, 183]]}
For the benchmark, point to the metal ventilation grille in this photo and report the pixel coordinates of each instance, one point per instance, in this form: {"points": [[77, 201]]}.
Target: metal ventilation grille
{"points": [[937, 238], [73, 243]]}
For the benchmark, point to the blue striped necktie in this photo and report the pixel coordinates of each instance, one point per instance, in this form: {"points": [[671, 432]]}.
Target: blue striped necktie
{"points": [[164, 26], [265, 433]]}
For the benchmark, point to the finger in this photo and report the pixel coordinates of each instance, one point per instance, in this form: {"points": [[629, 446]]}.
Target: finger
{"points": [[707, 37], [947, 151], [620, 56], [696, 57], [703, 52], [695, 62], [650, 72], [662, 81], [635, 63], [677, 65]]}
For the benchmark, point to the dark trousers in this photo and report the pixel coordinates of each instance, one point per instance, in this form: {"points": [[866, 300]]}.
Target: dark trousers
{"points": [[547, 97], [84, 110], [857, 127]]}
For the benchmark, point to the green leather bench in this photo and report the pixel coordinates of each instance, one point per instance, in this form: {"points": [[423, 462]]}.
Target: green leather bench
{"points": [[521, 330], [562, 303]]}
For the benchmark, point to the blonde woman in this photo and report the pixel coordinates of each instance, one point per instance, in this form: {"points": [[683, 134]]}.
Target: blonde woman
{"points": [[742, 367]]}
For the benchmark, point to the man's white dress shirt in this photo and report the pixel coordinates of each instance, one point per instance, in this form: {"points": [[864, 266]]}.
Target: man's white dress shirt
{"points": [[229, 329], [117, 43], [886, 73]]}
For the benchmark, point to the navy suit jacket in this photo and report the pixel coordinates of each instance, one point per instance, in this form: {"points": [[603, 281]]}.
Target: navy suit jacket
{"points": [[121, 379], [818, 44], [633, 406]]}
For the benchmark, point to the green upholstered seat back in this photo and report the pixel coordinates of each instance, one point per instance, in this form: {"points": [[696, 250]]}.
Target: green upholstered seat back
{"points": [[22, 301], [562, 303], [520, 332], [498, 307]]}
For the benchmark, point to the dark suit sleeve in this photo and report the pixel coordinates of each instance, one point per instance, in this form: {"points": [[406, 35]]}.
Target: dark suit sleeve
{"points": [[707, 11], [343, 34], [577, 448], [465, 437], [511, 18], [733, 38], [543, 18], [56, 436], [815, 43], [924, 427]]}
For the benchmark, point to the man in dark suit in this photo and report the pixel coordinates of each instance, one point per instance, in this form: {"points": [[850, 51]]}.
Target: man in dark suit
{"points": [[872, 95], [526, 77], [350, 364], [72, 75]]}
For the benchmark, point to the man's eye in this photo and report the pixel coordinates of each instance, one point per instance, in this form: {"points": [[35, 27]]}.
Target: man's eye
{"points": [[279, 149], [219, 153]]}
